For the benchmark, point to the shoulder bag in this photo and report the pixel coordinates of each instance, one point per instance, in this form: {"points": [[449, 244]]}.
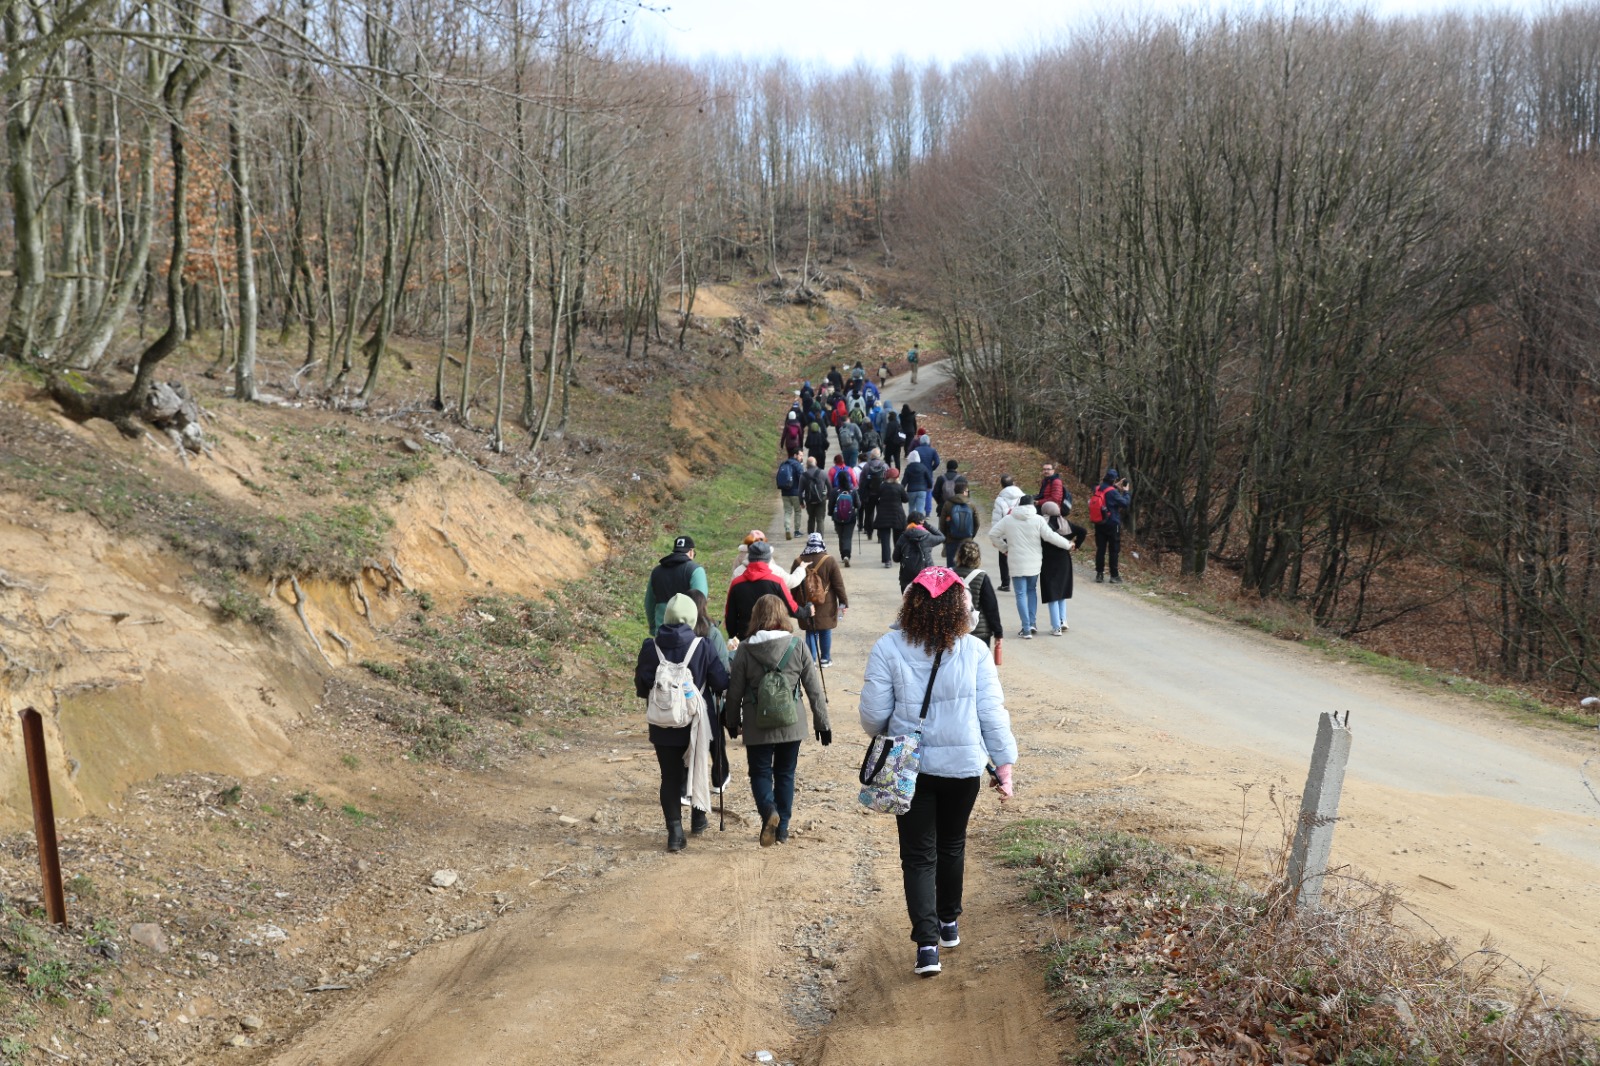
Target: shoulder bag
{"points": [[889, 770]]}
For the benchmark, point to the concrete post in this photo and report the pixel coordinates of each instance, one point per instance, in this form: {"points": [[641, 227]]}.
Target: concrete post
{"points": [[1319, 810]]}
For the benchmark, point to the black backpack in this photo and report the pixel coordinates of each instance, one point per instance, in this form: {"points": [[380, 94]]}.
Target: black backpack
{"points": [[814, 490]]}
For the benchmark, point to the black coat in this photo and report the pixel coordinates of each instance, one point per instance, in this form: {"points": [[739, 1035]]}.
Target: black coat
{"points": [[891, 512], [709, 673], [1055, 573], [742, 599]]}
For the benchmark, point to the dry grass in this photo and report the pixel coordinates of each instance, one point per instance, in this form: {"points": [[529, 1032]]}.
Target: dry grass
{"points": [[1161, 959]]}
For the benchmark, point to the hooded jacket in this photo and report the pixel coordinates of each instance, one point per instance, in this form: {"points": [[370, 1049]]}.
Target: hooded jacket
{"points": [[674, 573], [1022, 536], [1055, 571], [967, 722], [917, 475], [758, 580], [826, 573], [762, 652], [1004, 502], [890, 511], [915, 543], [710, 675]]}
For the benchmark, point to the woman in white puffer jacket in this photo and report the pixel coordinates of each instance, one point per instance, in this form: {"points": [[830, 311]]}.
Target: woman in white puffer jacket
{"points": [[966, 727]]}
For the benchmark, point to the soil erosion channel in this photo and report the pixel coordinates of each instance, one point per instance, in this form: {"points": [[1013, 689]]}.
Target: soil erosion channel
{"points": [[1157, 720]]}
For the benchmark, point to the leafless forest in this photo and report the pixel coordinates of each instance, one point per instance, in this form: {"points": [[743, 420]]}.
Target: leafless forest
{"points": [[1325, 286]]}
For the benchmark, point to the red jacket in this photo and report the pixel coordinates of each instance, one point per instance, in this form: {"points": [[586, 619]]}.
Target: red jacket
{"points": [[1053, 490], [763, 572]]}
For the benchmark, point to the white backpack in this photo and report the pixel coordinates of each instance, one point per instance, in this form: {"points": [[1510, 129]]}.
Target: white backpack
{"points": [[674, 700]]}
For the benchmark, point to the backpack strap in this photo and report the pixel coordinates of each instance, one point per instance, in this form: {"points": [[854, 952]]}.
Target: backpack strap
{"points": [[927, 695]]}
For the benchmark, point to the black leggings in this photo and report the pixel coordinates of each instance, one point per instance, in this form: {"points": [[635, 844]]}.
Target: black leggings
{"points": [[674, 779]]}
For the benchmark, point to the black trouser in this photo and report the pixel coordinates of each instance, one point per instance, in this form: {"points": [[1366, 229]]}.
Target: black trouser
{"points": [[815, 512], [887, 537], [933, 851], [869, 511], [1107, 538], [846, 532], [674, 781], [1005, 571]]}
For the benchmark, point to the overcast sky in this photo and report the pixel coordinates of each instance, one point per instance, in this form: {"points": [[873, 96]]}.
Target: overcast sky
{"points": [[838, 32]]}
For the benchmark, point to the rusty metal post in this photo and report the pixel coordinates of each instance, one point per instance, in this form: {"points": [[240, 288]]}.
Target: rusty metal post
{"points": [[44, 816]]}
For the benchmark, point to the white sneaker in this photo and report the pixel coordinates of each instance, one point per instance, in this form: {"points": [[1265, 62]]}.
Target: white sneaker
{"points": [[1027, 634], [1056, 632]]}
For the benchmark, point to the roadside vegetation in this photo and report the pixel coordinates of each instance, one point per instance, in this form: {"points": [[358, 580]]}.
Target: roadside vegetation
{"points": [[1160, 959]]}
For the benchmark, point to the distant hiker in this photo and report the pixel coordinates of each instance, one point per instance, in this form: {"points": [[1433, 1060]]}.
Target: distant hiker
{"points": [[1108, 506], [770, 668], [908, 425], [814, 494], [929, 663], [835, 380], [743, 562], [870, 437], [1004, 501], [893, 440], [823, 590], [877, 413], [1055, 567], [679, 717], [873, 472], [958, 520], [914, 550], [883, 374], [844, 505], [889, 512], [758, 579], [1053, 490], [807, 394], [944, 486], [1023, 535], [817, 442], [792, 435], [839, 416], [858, 375], [918, 480], [927, 452], [850, 442], [913, 357], [788, 481], [980, 589], [676, 572]]}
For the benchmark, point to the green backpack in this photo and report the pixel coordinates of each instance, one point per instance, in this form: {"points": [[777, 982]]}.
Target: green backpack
{"points": [[778, 704]]}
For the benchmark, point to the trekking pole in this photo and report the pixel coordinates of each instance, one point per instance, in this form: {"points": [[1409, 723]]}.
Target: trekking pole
{"points": [[722, 741]]}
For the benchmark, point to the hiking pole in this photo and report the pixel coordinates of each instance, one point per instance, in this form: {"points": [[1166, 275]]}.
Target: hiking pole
{"points": [[722, 792]]}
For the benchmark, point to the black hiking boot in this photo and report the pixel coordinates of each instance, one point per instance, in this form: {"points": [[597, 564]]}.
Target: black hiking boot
{"points": [[675, 838], [698, 822]]}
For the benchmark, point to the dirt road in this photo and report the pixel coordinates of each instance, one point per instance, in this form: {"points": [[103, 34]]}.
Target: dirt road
{"points": [[1150, 718]]}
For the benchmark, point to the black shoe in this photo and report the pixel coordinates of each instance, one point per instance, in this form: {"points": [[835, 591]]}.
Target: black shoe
{"points": [[847, 560], [1099, 579], [1115, 580], [675, 838], [698, 822], [1003, 588]]}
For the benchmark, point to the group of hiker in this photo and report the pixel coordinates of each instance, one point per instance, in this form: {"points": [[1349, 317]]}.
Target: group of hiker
{"points": [[705, 685]]}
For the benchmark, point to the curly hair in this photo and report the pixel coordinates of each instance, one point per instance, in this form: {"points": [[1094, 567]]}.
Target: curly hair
{"points": [[934, 622], [969, 555]]}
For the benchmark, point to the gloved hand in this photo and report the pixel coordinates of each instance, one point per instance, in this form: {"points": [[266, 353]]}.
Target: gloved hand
{"points": [[825, 736], [1002, 783], [733, 729]]}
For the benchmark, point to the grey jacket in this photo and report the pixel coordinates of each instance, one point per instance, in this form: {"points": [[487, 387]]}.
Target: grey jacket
{"points": [[751, 662]]}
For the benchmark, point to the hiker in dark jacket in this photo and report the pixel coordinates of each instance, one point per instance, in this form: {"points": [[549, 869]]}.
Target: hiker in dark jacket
{"points": [[675, 573], [918, 480], [914, 550], [1055, 572], [908, 425], [673, 639], [889, 513], [814, 495], [817, 443], [793, 434], [1108, 531], [969, 562], [773, 751], [873, 474], [757, 580], [893, 439]]}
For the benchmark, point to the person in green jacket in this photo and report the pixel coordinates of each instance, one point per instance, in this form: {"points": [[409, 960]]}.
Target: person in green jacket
{"points": [[676, 572]]}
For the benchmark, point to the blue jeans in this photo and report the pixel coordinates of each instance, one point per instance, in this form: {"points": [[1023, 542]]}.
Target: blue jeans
{"points": [[820, 643], [919, 501], [1058, 613], [1027, 593], [772, 779]]}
